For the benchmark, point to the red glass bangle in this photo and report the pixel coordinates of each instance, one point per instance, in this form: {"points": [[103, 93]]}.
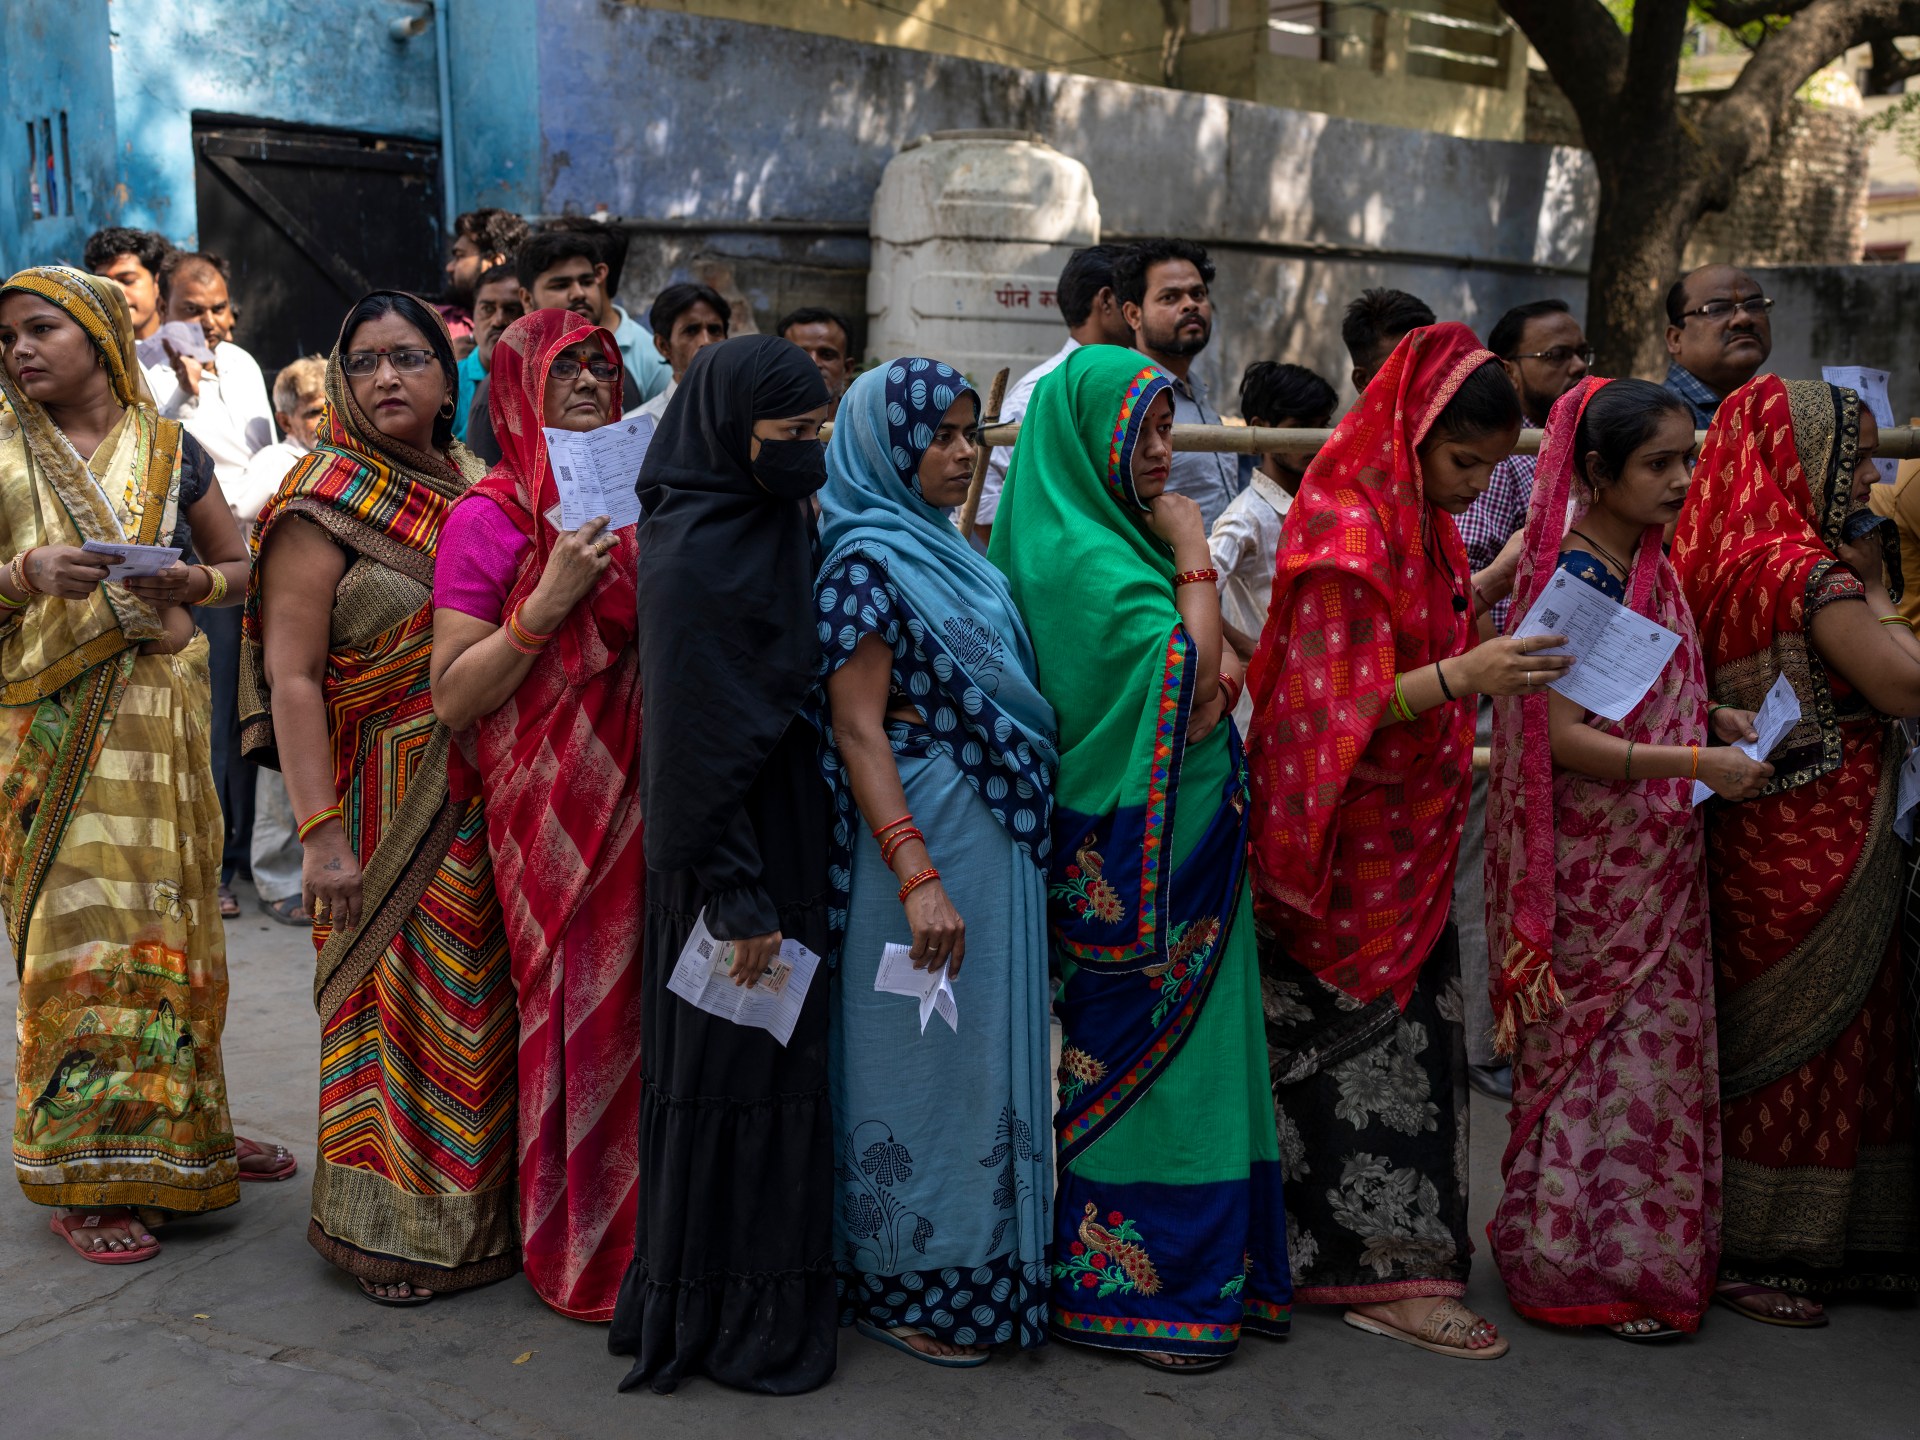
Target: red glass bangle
{"points": [[914, 882], [315, 821], [891, 845], [906, 819], [1207, 576]]}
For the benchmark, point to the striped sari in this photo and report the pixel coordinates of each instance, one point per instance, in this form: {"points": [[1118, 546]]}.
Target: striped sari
{"points": [[415, 1181], [109, 828]]}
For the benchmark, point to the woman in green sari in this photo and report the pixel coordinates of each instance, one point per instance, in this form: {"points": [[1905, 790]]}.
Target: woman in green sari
{"points": [[1169, 1236]]}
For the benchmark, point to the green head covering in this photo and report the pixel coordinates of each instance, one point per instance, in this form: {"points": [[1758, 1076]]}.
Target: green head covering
{"points": [[1095, 586]]}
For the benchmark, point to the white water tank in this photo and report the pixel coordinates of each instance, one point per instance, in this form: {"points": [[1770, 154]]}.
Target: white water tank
{"points": [[970, 230]]}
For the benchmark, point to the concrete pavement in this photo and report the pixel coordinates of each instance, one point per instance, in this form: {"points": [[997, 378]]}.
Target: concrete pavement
{"points": [[240, 1330]]}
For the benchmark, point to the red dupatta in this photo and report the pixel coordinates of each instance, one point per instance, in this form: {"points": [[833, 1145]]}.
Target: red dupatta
{"points": [[1357, 819], [559, 762]]}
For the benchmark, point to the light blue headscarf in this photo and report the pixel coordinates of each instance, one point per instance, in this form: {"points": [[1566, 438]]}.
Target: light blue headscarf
{"points": [[970, 668]]}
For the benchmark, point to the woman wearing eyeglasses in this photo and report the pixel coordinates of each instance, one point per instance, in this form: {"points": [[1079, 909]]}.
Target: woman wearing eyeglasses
{"points": [[534, 666], [414, 1190]]}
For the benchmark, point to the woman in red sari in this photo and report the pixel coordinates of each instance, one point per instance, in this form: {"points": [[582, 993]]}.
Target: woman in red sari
{"points": [[1816, 1055], [1360, 759], [533, 663], [1597, 906]]}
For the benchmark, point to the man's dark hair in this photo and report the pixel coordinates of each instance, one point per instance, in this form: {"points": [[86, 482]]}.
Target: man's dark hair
{"points": [[612, 243], [1677, 302], [495, 273], [674, 301], [1130, 267], [189, 262], [1504, 339], [1285, 392], [1485, 404], [808, 315], [1374, 315], [493, 232], [395, 302], [149, 249], [1088, 271], [545, 249]]}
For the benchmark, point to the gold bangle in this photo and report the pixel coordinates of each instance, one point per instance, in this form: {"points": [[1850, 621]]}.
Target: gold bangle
{"points": [[216, 585]]}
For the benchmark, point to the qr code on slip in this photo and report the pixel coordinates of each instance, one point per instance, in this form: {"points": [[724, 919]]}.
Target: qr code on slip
{"points": [[1549, 618]]}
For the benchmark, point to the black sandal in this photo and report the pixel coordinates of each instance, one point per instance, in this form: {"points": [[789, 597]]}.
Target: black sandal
{"points": [[1199, 1366], [288, 911], [1646, 1337]]}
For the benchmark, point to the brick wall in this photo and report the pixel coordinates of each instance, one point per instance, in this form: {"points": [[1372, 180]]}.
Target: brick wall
{"points": [[1806, 205]]}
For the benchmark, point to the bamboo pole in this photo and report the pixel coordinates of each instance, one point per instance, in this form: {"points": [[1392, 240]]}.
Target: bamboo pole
{"points": [[1897, 442], [983, 452]]}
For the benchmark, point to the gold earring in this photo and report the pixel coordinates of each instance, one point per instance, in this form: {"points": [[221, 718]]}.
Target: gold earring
{"points": [[447, 410]]}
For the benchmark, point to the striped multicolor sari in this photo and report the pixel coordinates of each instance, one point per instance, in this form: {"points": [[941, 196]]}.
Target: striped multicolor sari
{"points": [[415, 1181], [109, 828]]}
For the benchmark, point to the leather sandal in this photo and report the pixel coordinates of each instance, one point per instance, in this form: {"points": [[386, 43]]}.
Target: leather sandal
{"points": [[1446, 1331]]}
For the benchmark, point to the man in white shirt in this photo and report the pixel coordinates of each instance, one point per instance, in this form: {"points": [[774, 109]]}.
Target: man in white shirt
{"points": [[299, 403], [685, 318], [1245, 540], [1093, 317], [222, 402], [132, 260], [828, 343], [221, 399]]}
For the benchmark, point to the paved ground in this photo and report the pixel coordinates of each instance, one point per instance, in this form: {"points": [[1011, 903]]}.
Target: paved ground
{"points": [[240, 1330]]}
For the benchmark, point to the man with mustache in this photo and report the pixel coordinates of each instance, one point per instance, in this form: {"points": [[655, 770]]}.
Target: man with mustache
{"points": [[1719, 333], [1162, 289], [496, 305]]}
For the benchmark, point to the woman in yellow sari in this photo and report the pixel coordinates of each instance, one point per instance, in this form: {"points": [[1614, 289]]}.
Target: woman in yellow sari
{"points": [[110, 831]]}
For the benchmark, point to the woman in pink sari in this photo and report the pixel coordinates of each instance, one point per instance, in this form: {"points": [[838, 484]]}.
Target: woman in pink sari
{"points": [[1597, 907], [534, 668]]}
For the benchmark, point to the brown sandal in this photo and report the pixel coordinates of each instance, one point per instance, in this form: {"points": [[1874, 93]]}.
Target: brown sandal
{"points": [[1445, 1331]]}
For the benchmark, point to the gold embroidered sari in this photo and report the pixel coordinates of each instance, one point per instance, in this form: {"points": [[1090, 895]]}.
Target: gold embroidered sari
{"points": [[110, 831]]}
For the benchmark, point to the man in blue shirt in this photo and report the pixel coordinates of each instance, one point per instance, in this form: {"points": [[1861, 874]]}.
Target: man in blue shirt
{"points": [[1162, 289], [1719, 334], [496, 305]]}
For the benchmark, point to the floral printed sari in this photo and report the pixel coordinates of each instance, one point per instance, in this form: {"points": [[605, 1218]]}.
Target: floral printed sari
{"points": [[1596, 899]]}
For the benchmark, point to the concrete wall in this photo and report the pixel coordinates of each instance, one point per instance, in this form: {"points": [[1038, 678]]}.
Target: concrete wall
{"points": [[53, 60], [1302, 210], [1848, 315]]}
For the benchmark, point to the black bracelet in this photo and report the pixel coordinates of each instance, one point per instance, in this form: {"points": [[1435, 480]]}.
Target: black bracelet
{"points": [[1441, 676]]}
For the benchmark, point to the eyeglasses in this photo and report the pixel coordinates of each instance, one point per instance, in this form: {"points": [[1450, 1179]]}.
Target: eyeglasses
{"points": [[1560, 355], [361, 363], [568, 367], [1721, 309]]}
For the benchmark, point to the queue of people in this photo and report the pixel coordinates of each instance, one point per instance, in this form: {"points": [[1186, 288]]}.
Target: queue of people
{"points": [[1189, 772]]}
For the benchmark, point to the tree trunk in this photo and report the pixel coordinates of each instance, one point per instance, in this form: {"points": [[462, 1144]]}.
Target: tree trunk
{"points": [[1649, 203]]}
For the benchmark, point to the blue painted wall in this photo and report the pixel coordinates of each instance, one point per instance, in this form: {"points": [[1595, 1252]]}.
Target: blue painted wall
{"points": [[316, 62], [54, 57], [494, 56]]}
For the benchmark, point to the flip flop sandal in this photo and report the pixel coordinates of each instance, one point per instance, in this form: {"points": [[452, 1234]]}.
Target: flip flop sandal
{"points": [[288, 911], [65, 1225], [945, 1362], [1444, 1332], [398, 1302], [244, 1149], [229, 903], [1198, 1366], [1731, 1296], [1646, 1337]]}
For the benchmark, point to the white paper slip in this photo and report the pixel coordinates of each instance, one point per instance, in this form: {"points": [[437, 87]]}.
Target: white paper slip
{"points": [[595, 471], [1617, 655], [1871, 386], [1908, 800], [932, 988], [188, 337], [772, 1003], [132, 561], [1778, 714]]}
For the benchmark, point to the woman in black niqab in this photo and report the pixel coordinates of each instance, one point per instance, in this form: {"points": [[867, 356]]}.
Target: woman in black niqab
{"points": [[732, 1275]]}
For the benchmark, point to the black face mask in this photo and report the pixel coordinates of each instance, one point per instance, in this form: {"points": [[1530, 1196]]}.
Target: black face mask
{"points": [[791, 469]]}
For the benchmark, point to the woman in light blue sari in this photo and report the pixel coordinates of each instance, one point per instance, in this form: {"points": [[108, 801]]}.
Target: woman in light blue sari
{"points": [[941, 749]]}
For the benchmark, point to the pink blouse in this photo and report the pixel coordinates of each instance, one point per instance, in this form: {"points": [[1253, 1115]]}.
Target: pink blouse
{"points": [[478, 558]]}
